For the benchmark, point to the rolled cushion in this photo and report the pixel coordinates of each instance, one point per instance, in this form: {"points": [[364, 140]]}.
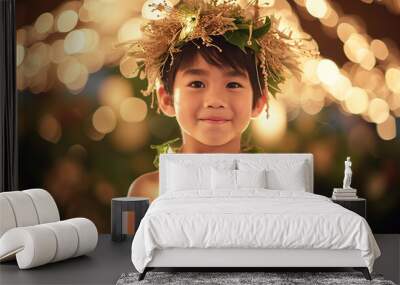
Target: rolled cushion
{"points": [[45, 243], [26, 208], [7, 218], [45, 205], [33, 246], [87, 235], [23, 208], [66, 238]]}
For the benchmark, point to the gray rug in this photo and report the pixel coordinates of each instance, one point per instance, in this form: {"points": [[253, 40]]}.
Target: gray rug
{"points": [[230, 278]]}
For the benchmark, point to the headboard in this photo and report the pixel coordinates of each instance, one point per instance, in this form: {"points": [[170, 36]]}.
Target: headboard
{"points": [[209, 158]]}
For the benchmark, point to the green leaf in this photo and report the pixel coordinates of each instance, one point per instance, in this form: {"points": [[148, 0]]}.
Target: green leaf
{"points": [[255, 46], [273, 81], [259, 32], [243, 26], [238, 38], [162, 148], [239, 20]]}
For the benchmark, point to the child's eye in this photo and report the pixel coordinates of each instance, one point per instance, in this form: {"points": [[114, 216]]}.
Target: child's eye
{"points": [[196, 84], [234, 85]]}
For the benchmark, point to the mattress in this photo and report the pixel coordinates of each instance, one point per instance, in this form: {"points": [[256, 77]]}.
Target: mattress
{"points": [[250, 219]]}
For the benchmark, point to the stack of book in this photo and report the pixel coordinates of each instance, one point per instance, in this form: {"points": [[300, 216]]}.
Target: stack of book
{"points": [[343, 194]]}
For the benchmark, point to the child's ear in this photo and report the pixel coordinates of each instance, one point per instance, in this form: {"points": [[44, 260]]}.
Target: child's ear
{"points": [[165, 101], [259, 105]]}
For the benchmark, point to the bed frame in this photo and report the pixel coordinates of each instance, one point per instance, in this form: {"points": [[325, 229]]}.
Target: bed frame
{"points": [[242, 259], [246, 258]]}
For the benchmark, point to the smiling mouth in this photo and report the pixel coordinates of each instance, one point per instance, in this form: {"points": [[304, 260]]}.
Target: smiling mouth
{"points": [[216, 121]]}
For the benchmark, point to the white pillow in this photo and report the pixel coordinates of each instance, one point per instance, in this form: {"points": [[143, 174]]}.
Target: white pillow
{"points": [[223, 179], [183, 175], [280, 175], [293, 179], [251, 178], [235, 179]]}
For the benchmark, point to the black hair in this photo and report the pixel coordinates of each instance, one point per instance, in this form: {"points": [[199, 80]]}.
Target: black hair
{"points": [[231, 56]]}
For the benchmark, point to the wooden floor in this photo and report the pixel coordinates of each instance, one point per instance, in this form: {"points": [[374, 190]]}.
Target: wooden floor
{"points": [[106, 264]]}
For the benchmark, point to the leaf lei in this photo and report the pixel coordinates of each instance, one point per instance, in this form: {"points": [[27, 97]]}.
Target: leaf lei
{"points": [[163, 148]]}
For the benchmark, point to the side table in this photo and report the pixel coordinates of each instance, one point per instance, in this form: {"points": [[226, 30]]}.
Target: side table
{"points": [[357, 205], [121, 207]]}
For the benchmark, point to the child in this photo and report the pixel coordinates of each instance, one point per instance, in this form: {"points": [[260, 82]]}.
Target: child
{"points": [[214, 75], [212, 101]]}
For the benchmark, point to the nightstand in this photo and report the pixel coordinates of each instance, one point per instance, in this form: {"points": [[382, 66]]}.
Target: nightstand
{"points": [[357, 205], [126, 214]]}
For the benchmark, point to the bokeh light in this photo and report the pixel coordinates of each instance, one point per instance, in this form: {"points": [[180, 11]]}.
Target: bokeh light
{"points": [[269, 131], [104, 120], [113, 90], [79, 83], [130, 30], [74, 42], [387, 129], [312, 101], [36, 57], [133, 109], [331, 18], [356, 100], [378, 110], [93, 60], [130, 136], [339, 87], [69, 70], [317, 9], [327, 71], [49, 128], [392, 77], [310, 71], [44, 23], [345, 30], [128, 67], [379, 49], [367, 59], [66, 21]]}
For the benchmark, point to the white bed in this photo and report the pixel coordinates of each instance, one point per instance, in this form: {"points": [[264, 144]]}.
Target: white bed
{"points": [[280, 225]]}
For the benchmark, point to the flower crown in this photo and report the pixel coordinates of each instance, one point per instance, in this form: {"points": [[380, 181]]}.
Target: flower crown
{"points": [[277, 53]]}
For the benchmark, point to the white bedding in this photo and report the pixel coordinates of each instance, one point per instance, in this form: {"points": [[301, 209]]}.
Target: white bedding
{"points": [[251, 218]]}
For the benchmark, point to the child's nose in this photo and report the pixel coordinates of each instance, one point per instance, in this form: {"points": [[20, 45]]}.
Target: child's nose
{"points": [[214, 99]]}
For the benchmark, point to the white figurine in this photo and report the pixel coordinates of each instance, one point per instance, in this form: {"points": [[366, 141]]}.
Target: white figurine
{"points": [[347, 174]]}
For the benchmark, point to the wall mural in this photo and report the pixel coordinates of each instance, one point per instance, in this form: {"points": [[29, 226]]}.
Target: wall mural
{"points": [[86, 130]]}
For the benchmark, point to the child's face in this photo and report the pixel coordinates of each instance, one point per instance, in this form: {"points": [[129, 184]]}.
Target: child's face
{"points": [[212, 105]]}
